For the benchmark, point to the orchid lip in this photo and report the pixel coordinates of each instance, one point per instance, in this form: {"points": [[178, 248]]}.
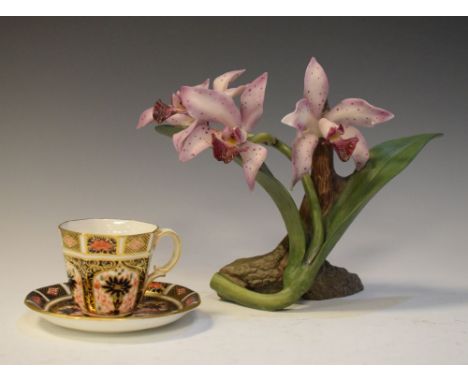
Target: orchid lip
{"points": [[162, 111], [222, 151], [345, 147]]}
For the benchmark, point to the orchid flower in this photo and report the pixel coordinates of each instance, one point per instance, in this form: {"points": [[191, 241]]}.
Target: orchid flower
{"points": [[175, 114], [312, 122], [216, 105]]}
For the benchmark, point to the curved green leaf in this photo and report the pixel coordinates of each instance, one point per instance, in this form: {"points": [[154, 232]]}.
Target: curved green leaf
{"points": [[386, 161], [289, 212]]}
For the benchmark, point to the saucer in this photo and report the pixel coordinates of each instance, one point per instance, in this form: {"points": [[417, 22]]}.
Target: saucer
{"points": [[162, 304]]}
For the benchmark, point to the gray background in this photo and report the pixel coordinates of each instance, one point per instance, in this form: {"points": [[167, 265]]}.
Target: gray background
{"points": [[71, 90]]}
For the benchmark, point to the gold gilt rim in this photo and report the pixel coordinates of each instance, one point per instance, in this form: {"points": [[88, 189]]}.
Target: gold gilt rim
{"points": [[60, 227], [129, 317]]}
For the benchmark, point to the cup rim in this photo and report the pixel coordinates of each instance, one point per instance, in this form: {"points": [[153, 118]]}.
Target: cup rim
{"points": [[81, 232]]}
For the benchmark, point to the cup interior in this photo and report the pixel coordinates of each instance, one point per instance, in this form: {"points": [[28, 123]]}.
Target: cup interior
{"points": [[108, 226]]}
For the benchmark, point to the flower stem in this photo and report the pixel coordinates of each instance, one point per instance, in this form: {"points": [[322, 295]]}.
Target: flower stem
{"points": [[270, 140], [294, 287], [309, 189], [274, 301]]}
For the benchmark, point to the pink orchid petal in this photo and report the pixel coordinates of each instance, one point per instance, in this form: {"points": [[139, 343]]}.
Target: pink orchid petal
{"points": [[252, 101], [302, 152], [327, 128], [179, 138], [222, 82], [234, 92], [145, 118], [253, 156], [361, 152], [316, 87], [356, 111], [210, 105], [301, 118], [197, 141], [179, 119], [176, 102]]}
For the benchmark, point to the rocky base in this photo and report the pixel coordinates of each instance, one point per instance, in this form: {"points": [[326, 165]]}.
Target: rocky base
{"points": [[264, 274]]}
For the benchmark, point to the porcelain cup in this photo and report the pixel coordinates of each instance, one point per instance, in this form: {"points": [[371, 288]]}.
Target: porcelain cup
{"points": [[107, 262]]}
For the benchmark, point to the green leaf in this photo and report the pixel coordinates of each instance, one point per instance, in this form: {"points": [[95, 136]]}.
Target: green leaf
{"points": [[386, 161], [168, 130], [290, 214]]}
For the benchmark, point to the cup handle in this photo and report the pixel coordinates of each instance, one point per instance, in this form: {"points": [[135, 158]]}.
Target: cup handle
{"points": [[161, 271]]}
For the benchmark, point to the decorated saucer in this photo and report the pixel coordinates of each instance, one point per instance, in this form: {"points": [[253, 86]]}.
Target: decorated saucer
{"points": [[162, 304]]}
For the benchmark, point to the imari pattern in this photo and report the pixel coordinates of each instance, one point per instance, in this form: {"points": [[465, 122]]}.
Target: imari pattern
{"points": [[137, 243], [42, 296], [53, 291], [101, 244], [115, 291], [75, 283], [71, 240], [106, 244], [185, 295], [159, 299], [106, 287]]}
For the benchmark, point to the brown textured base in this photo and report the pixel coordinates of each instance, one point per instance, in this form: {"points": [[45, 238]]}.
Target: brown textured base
{"points": [[264, 274]]}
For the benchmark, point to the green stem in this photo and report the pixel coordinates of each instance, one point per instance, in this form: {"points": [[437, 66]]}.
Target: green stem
{"points": [[310, 192], [317, 221], [270, 140], [293, 288], [289, 212], [276, 301]]}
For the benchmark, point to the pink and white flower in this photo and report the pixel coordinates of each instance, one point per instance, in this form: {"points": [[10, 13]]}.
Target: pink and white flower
{"points": [[175, 114], [336, 125], [217, 106]]}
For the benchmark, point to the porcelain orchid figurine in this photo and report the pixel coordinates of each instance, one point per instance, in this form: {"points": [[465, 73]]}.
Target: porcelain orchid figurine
{"points": [[313, 121], [288, 273]]}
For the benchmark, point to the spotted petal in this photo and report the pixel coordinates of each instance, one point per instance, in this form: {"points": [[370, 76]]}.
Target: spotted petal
{"points": [[316, 87], [252, 102], [179, 119], [198, 140], [253, 156], [179, 138], [210, 105], [361, 152], [222, 82], [358, 112], [145, 118], [301, 118], [302, 152]]}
